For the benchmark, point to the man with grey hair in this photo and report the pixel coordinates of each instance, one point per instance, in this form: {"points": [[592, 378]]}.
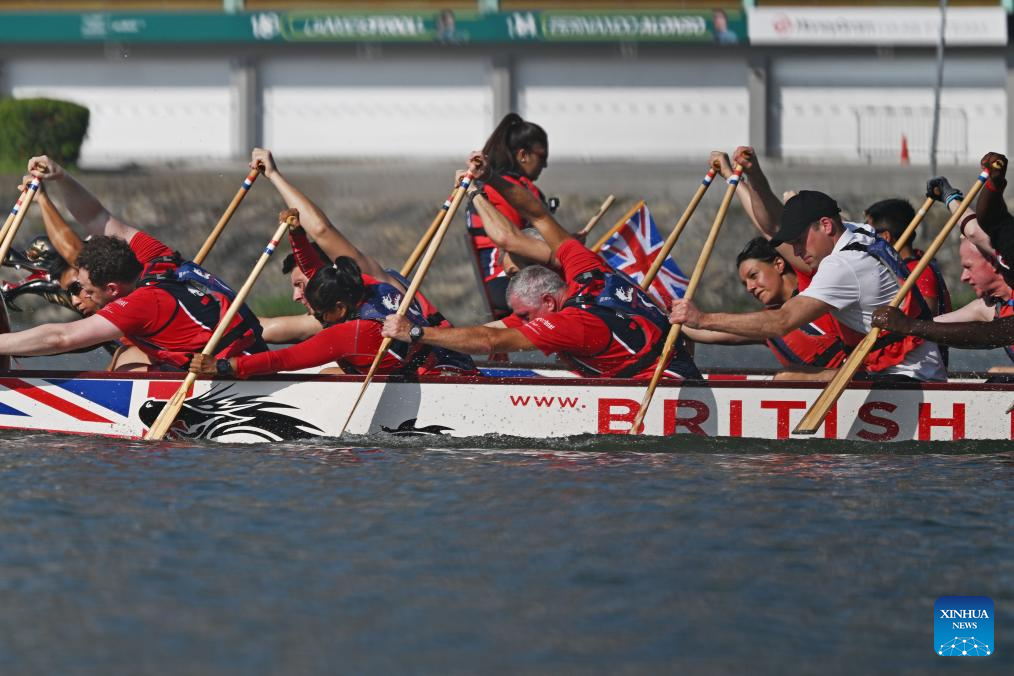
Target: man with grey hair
{"points": [[599, 322]]}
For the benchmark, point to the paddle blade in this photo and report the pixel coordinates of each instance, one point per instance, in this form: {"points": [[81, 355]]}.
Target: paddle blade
{"points": [[172, 408]]}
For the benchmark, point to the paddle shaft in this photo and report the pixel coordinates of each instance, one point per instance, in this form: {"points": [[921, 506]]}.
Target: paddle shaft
{"points": [[619, 224], [406, 300], [677, 230], [17, 217], [224, 220], [814, 417], [916, 220], [426, 238], [11, 215], [173, 406], [695, 280], [594, 220]]}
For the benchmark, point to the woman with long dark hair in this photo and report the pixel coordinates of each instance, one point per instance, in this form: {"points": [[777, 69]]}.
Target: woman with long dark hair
{"points": [[517, 150], [351, 307], [767, 276]]}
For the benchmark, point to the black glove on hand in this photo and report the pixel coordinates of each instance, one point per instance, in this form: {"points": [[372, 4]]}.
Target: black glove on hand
{"points": [[941, 190]]}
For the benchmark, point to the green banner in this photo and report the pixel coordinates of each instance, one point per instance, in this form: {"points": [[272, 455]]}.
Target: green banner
{"points": [[445, 27]]}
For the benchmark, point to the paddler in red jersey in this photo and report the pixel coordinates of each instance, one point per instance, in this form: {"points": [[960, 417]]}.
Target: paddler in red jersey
{"points": [[518, 151], [806, 352], [596, 320], [330, 243], [350, 306], [142, 290]]}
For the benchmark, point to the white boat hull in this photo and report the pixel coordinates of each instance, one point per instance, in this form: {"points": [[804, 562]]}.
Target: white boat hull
{"points": [[297, 407]]}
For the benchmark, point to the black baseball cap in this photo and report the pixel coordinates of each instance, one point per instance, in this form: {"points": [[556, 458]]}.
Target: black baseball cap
{"points": [[802, 209]]}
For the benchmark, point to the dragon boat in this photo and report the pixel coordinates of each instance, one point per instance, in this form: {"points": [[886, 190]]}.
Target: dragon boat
{"points": [[508, 401], [522, 402]]}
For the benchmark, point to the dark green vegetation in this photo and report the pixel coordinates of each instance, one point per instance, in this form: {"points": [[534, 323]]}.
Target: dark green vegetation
{"points": [[30, 127]]}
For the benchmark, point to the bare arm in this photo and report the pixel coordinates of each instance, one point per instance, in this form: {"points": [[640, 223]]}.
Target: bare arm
{"points": [[292, 329], [532, 210], [765, 208], [82, 205], [509, 238], [316, 222], [975, 335], [976, 311], [47, 339], [64, 239], [470, 340], [707, 337], [762, 325]]}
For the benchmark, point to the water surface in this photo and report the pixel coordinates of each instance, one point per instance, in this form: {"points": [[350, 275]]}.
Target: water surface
{"points": [[596, 556]]}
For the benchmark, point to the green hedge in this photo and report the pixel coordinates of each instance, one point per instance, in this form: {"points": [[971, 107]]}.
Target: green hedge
{"points": [[30, 127]]}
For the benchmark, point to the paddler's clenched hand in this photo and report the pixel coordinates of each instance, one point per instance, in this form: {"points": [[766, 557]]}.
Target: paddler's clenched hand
{"points": [[261, 158], [892, 319], [684, 312], [996, 165], [479, 166], [396, 327], [28, 178], [746, 157], [45, 168], [202, 365], [720, 162], [290, 216]]}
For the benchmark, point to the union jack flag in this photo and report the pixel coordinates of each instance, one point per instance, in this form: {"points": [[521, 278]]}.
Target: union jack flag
{"points": [[632, 250]]}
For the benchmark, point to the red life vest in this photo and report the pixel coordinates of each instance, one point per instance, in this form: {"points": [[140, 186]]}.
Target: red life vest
{"points": [[486, 252], [1005, 308], [890, 349], [810, 345]]}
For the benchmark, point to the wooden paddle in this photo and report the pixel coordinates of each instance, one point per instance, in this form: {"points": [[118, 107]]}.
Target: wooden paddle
{"points": [[594, 220], [814, 417], [11, 215], [406, 300], [426, 238], [695, 280], [17, 216], [677, 230], [173, 406], [916, 220], [619, 224], [224, 220]]}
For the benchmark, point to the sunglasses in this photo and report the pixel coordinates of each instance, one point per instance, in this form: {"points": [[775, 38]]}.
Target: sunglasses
{"points": [[74, 288]]}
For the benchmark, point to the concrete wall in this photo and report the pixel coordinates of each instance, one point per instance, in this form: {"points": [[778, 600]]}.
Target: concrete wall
{"points": [[153, 103]]}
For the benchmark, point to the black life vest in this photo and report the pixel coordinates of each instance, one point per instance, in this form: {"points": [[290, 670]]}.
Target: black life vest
{"points": [[379, 301], [885, 254], [189, 284], [626, 310], [446, 360]]}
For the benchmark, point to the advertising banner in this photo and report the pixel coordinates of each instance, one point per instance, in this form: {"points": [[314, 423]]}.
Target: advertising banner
{"points": [[965, 26], [446, 27]]}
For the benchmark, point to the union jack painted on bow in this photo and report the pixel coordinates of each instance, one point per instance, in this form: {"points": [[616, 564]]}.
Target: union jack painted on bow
{"points": [[66, 404], [632, 250]]}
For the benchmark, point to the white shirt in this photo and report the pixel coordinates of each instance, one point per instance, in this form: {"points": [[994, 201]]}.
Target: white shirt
{"points": [[854, 283]]}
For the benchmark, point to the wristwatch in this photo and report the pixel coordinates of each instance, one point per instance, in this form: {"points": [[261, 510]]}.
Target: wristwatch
{"points": [[415, 334], [223, 367]]}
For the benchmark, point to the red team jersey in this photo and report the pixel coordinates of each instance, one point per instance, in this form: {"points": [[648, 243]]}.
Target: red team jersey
{"points": [[576, 332], [352, 345], [149, 317]]}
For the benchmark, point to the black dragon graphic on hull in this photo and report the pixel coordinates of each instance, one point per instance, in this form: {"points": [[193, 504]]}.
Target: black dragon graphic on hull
{"points": [[217, 414]]}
